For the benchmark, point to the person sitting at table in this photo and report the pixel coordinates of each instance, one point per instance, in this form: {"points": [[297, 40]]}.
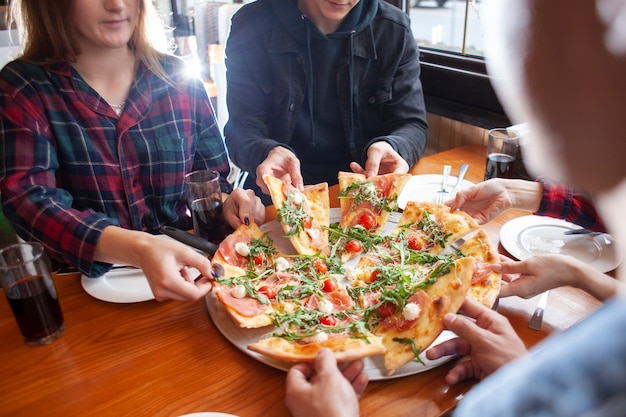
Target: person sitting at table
{"points": [[579, 371], [486, 200], [315, 87], [99, 126]]}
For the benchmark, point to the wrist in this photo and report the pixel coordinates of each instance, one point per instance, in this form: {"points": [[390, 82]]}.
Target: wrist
{"points": [[525, 195]]}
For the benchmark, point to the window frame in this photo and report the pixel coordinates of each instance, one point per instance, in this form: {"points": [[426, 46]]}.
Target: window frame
{"points": [[457, 86]]}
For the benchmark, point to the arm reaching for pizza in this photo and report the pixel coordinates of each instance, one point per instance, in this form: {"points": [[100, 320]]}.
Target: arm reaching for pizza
{"points": [[381, 159], [488, 342], [282, 164], [321, 389], [486, 200], [537, 274]]}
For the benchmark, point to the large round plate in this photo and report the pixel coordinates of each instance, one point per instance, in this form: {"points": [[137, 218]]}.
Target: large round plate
{"points": [[527, 236], [241, 338], [425, 187]]}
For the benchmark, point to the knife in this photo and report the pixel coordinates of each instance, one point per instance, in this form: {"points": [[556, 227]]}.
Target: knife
{"points": [[189, 239]]}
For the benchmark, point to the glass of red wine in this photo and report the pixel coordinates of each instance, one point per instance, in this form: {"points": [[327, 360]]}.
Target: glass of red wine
{"points": [[29, 288], [204, 199], [502, 148]]}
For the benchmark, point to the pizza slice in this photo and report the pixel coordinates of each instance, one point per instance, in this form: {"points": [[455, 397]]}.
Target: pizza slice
{"points": [[303, 215], [485, 287], [368, 202], [433, 227], [321, 315], [410, 318]]}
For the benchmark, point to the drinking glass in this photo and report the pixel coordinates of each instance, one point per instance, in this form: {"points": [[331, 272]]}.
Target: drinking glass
{"points": [[27, 283], [204, 199], [502, 149]]}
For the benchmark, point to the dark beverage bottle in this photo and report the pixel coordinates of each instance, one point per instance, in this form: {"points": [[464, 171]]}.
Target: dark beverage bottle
{"points": [[499, 165], [36, 307], [208, 219]]}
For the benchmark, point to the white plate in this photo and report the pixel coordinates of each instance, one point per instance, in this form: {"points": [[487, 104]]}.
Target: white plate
{"points": [[527, 236], [123, 285], [425, 187], [241, 338]]}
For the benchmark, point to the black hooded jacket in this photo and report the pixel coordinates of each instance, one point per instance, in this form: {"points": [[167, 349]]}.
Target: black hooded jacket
{"points": [[325, 97]]}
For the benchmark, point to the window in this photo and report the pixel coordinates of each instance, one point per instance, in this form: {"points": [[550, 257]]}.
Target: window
{"points": [[454, 75]]}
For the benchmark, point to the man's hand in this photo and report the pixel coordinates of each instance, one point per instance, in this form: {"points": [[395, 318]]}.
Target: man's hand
{"points": [[282, 164], [381, 159]]}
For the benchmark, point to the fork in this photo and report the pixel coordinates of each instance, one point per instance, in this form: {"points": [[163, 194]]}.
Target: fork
{"points": [[443, 193]]}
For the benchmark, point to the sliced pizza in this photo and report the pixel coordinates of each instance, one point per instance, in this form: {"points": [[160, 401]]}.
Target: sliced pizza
{"points": [[433, 227], [304, 215], [368, 202], [486, 283], [409, 320]]}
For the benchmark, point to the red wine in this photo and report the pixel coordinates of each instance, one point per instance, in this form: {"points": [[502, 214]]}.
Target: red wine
{"points": [[36, 308], [499, 165], [208, 220]]}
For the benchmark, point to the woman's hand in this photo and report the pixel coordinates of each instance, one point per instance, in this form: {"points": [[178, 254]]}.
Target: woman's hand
{"points": [[168, 265], [241, 206], [540, 273], [486, 200], [488, 342], [321, 389]]}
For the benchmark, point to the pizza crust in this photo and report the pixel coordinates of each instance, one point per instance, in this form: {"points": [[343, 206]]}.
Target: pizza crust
{"points": [[344, 348]]}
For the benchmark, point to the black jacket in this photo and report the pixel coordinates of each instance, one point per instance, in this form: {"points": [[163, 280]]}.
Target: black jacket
{"points": [[272, 53]]}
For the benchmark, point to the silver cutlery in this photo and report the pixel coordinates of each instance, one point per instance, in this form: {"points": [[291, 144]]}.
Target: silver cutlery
{"points": [[459, 181], [443, 193], [582, 232], [537, 319]]}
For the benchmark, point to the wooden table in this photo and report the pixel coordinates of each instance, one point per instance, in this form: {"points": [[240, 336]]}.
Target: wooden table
{"points": [[169, 359]]}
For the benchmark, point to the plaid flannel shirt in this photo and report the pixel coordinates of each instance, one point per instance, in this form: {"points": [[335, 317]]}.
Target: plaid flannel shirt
{"points": [[70, 167], [566, 203]]}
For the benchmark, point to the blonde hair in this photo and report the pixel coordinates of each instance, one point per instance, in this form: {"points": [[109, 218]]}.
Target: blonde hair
{"points": [[47, 34]]}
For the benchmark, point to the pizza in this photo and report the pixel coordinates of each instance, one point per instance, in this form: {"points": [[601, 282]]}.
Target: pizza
{"points": [[389, 302], [304, 215], [369, 201]]}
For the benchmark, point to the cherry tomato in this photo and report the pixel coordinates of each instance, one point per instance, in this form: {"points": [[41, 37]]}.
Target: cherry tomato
{"points": [[259, 259], [367, 221], [415, 243], [374, 275], [320, 266], [386, 309], [329, 285], [354, 246], [267, 291], [329, 321], [308, 222]]}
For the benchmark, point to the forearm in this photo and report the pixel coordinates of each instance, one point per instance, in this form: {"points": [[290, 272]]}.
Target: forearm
{"points": [[122, 246], [595, 283], [525, 195]]}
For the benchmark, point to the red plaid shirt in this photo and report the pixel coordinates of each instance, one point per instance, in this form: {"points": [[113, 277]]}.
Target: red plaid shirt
{"points": [[70, 167], [566, 203]]}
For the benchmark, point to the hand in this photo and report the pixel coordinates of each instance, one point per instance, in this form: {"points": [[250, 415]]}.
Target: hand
{"points": [[489, 342], [165, 262], [321, 389], [540, 273], [483, 201], [282, 164], [241, 206], [486, 200], [381, 159]]}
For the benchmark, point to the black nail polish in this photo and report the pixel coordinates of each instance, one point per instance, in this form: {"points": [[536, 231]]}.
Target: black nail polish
{"points": [[217, 270], [246, 220]]}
